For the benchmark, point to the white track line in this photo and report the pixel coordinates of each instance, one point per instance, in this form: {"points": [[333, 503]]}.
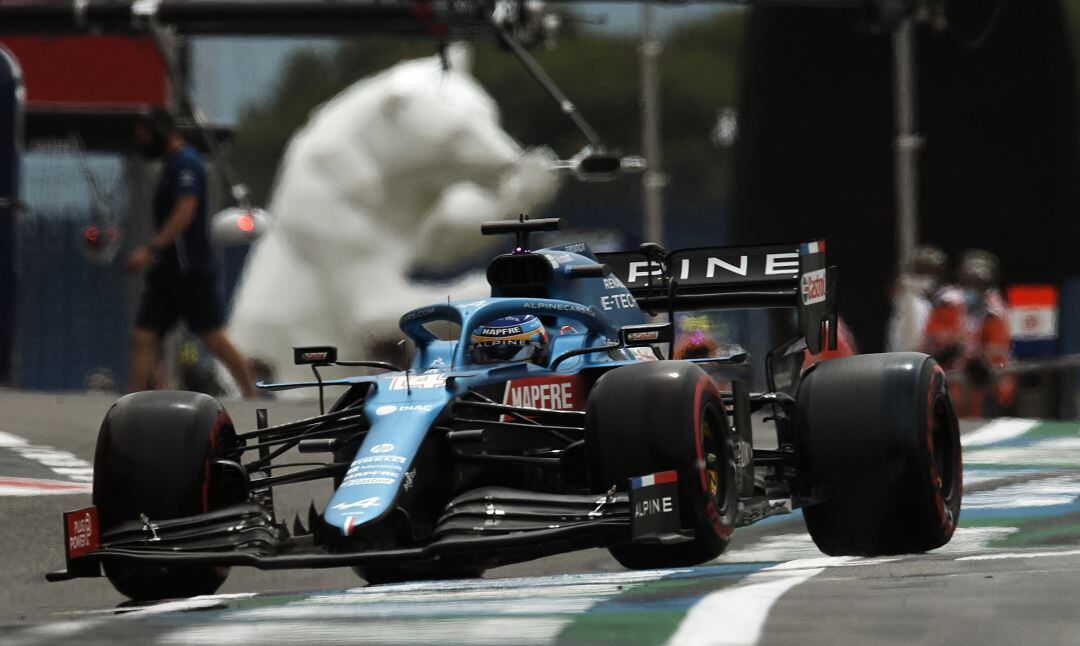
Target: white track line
{"points": [[518, 610], [736, 616], [1017, 555], [480, 631]]}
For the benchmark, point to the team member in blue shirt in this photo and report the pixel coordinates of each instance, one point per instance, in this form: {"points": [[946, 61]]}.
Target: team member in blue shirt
{"points": [[179, 262]]}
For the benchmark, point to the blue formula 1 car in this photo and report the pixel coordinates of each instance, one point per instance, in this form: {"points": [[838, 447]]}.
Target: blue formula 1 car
{"points": [[546, 420]]}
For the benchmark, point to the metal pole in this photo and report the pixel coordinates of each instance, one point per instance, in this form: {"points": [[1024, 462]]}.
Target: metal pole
{"points": [[907, 144], [653, 180]]}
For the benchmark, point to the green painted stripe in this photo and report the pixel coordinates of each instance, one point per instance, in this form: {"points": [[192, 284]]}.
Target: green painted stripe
{"points": [[1047, 429], [650, 612]]}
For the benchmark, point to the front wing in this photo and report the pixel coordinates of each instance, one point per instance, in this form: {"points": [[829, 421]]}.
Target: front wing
{"points": [[484, 527]]}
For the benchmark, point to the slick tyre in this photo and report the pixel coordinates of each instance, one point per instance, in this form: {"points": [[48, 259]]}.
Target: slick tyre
{"points": [[658, 416], [154, 457], [880, 442]]}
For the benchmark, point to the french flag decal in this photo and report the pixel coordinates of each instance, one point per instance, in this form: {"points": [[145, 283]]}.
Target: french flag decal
{"points": [[808, 248], [654, 479]]}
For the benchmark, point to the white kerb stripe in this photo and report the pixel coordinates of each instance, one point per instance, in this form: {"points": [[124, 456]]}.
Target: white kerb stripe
{"points": [[999, 430], [736, 616], [8, 440]]}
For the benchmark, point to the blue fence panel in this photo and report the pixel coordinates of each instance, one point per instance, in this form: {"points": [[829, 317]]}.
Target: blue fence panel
{"points": [[71, 320]]}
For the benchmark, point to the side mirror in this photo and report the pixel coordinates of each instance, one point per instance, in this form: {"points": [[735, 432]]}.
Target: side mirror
{"points": [[634, 336], [600, 165], [314, 355], [595, 270]]}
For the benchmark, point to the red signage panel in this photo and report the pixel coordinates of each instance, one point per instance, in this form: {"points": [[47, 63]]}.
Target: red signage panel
{"points": [[81, 532], [89, 72]]}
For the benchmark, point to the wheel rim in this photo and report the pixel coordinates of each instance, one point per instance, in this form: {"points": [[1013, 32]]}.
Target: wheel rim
{"points": [[711, 447], [943, 448]]}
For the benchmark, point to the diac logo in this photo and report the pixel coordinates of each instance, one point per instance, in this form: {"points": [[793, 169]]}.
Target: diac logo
{"points": [[406, 408]]}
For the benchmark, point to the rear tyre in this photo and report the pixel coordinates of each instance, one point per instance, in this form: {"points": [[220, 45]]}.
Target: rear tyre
{"points": [[154, 456], [879, 436], [658, 416]]}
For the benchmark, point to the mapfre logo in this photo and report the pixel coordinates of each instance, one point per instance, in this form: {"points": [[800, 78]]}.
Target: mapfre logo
{"points": [[552, 393], [812, 287]]}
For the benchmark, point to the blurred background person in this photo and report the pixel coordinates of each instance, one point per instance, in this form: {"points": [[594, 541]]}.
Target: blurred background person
{"points": [[181, 281], [968, 333], [913, 297]]}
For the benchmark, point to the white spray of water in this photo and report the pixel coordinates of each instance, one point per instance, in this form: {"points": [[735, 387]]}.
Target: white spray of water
{"points": [[393, 175]]}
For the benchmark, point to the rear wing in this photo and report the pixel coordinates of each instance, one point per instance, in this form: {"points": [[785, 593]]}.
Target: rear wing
{"points": [[780, 275]]}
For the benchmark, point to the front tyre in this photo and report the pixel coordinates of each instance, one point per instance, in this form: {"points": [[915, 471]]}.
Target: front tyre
{"points": [[658, 416], [155, 456], [881, 443]]}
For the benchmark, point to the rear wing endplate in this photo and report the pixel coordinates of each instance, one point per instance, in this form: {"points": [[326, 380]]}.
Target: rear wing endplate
{"points": [[781, 275]]}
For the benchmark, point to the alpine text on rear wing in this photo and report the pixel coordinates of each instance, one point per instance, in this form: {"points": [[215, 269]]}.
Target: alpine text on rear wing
{"points": [[775, 275]]}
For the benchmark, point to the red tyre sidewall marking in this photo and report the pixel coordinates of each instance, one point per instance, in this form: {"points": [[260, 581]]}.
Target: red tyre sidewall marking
{"points": [[222, 419], [710, 507], [936, 386]]}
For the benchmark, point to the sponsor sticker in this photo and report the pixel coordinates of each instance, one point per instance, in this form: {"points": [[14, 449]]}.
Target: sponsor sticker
{"points": [[812, 287], [378, 469], [379, 458], [654, 501], [645, 336], [405, 408], [499, 331], [81, 532], [622, 301], [418, 313], [552, 393], [719, 266], [356, 482], [557, 307]]}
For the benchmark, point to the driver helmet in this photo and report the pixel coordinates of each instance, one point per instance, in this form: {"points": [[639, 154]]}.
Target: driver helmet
{"points": [[520, 337]]}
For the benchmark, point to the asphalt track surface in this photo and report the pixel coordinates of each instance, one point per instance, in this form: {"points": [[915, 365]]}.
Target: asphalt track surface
{"points": [[1010, 576]]}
